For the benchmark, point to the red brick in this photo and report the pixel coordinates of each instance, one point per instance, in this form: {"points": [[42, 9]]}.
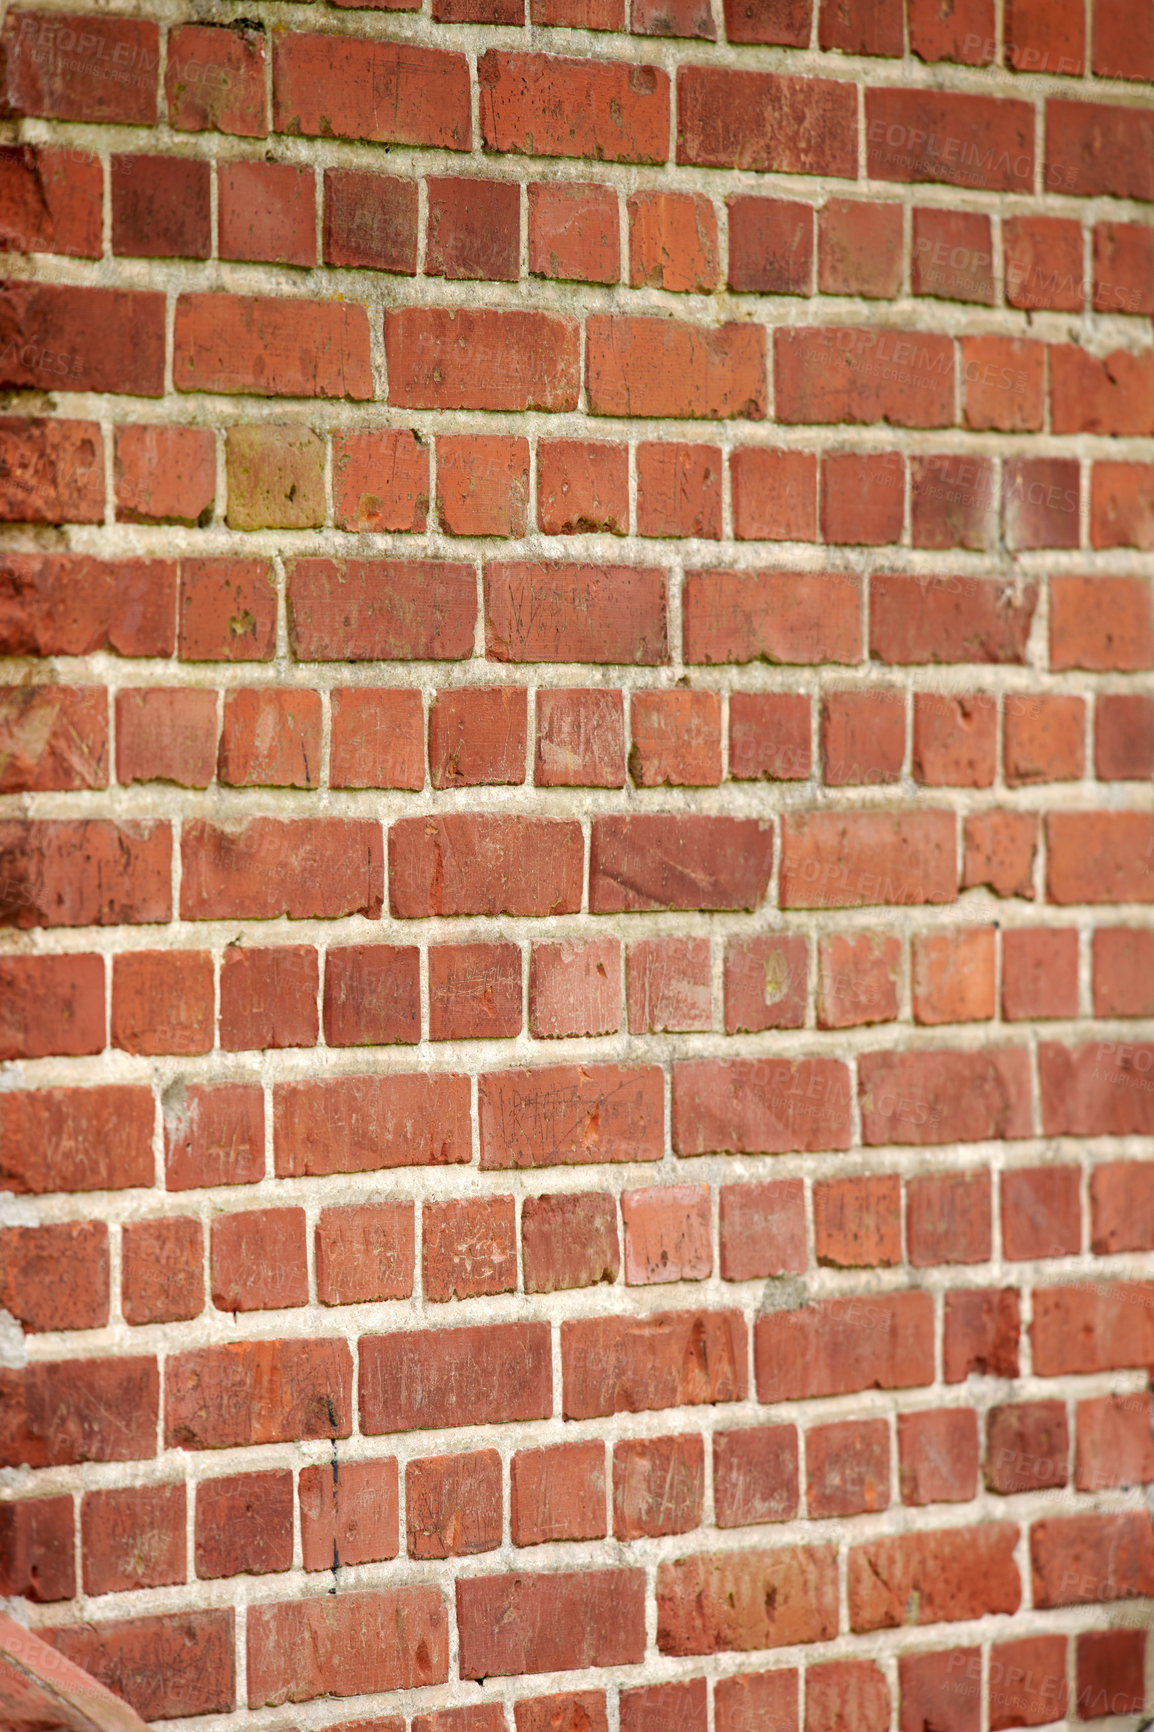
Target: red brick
{"points": [[1041, 1212], [377, 739], [679, 490], [948, 1219], [860, 248], [479, 1716], [582, 487], [953, 974], [370, 221], [358, 1644], [267, 211], [668, 1234], [1043, 263], [770, 246], [692, 18], [757, 1701], [774, 494], [161, 207], [1039, 973], [853, 860], [474, 991], [47, 339], [380, 482], [161, 1270], [52, 471], [786, 23], [980, 1334], [1041, 502], [329, 86], [84, 873], [72, 1410], [1003, 384], [270, 739], [51, 1004], [364, 1253], [964, 34], [568, 1115], [665, 1359], [514, 1624], [862, 497], [762, 1229], [658, 1485], [860, 27], [999, 849], [216, 1397], [938, 1455], [580, 739], [542, 105], [761, 121], [1099, 857], [857, 979], [841, 1694], [557, 612], [672, 242], [1097, 1328], [165, 474], [133, 1537], [275, 478], [769, 737], [259, 1261], [760, 1106], [1111, 1663], [830, 374], [244, 1524], [421, 1380], [50, 201], [676, 739], [952, 502], [858, 1221], [174, 1664], [36, 1551], [1122, 1206], [837, 1346], [955, 739], [1027, 1677], [789, 617], [1102, 623], [477, 735], [443, 359], [266, 347], [469, 1248], [847, 1468], [668, 985], [474, 228], [162, 1001], [68, 604], [215, 80], [227, 610], [1115, 1442], [863, 735], [931, 1578], [1092, 1559], [952, 257], [55, 1277], [666, 1707], [714, 1602], [766, 983], [1122, 505], [213, 1135], [989, 142], [557, 1494], [268, 997], [1044, 739], [76, 66], [573, 232], [1123, 971], [485, 863], [945, 1097], [361, 1124], [305, 868], [483, 485], [575, 988], [646, 367], [1095, 148], [582, 1711], [569, 1240], [755, 1475], [348, 1517], [453, 1505], [678, 861], [1111, 395], [372, 996]]}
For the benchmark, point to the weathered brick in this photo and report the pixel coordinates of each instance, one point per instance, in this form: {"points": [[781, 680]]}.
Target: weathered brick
{"points": [[51, 471], [477, 735], [862, 497], [761, 121], [304, 868], [762, 1229], [213, 1135], [48, 343], [760, 1106], [657, 1485], [489, 1374], [972, 619], [69, 66], [162, 1001], [161, 1270], [1091, 1559], [244, 1524], [453, 1505], [1091, 1328], [370, 222], [514, 1624], [364, 1252], [133, 1537], [678, 861], [676, 739], [847, 1468], [758, 1699], [78, 872], [360, 1644], [857, 979], [1122, 505], [486, 863], [717, 1602], [931, 1578], [326, 85], [359, 1124], [665, 1359], [165, 474], [854, 860], [55, 1277], [999, 849], [275, 478], [260, 346], [459, 359], [1041, 1212], [730, 616], [37, 1549], [569, 1115], [769, 737], [468, 1248], [774, 494], [755, 1475], [581, 1711], [542, 105], [860, 246], [665, 1707], [573, 232], [348, 1516], [980, 1333], [215, 80], [268, 996], [766, 983], [250, 1392], [161, 206], [664, 367], [668, 1234], [679, 490], [857, 1221], [473, 228], [50, 201], [836, 1346], [259, 1261], [672, 242], [372, 995], [76, 1139], [569, 1240], [557, 1494], [770, 246], [857, 375], [938, 1455], [51, 1004], [952, 972], [171, 1665], [72, 1410]]}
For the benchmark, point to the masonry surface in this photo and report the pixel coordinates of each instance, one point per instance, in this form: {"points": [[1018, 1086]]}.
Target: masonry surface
{"points": [[576, 861]]}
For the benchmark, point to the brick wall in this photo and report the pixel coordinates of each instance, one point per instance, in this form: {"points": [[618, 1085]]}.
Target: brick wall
{"points": [[577, 991]]}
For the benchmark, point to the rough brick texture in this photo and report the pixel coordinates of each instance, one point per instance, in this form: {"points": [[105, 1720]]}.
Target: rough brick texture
{"points": [[577, 861]]}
